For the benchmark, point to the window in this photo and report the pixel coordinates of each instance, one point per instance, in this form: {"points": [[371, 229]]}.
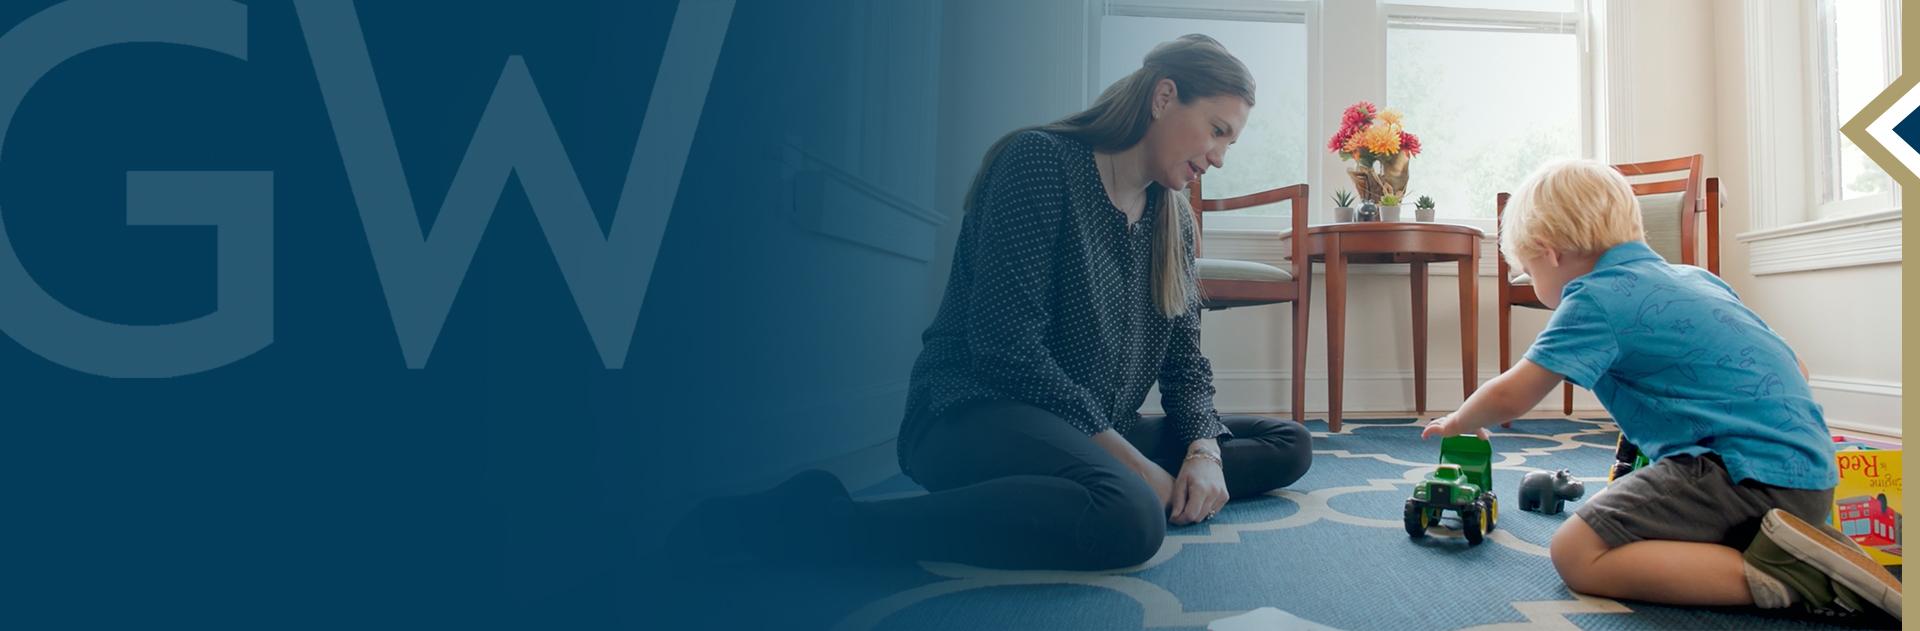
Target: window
{"points": [[1856, 54], [1493, 88], [1493, 94], [1271, 151], [1561, 6], [1809, 68]]}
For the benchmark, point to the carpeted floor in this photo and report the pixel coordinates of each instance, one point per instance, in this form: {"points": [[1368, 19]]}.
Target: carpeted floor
{"points": [[1330, 552]]}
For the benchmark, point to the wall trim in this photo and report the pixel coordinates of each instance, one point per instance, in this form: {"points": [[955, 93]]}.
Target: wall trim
{"points": [[1265, 391], [1762, 187], [1290, 11], [1851, 404], [1870, 405], [1874, 387], [1096, 10], [1619, 93], [1844, 242], [1835, 426], [827, 199]]}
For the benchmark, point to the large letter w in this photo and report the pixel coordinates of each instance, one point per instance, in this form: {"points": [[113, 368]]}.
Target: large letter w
{"points": [[422, 273]]}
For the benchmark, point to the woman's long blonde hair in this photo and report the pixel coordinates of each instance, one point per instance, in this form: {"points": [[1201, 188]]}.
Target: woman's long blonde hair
{"points": [[1200, 68]]}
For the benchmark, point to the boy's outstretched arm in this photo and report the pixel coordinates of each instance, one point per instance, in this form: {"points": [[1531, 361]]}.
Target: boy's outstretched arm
{"points": [[1504, 398]]}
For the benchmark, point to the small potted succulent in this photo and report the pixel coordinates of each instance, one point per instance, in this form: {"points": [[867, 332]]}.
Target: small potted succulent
{"points": [[1343, 206], [1423, 209], [1389, 207]]}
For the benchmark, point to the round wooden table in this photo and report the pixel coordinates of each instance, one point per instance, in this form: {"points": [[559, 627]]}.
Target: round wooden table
{"points": [[1397, 242]]}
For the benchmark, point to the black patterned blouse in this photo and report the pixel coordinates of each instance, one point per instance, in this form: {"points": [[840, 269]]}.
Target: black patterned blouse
{"points": [[1051, 304]]}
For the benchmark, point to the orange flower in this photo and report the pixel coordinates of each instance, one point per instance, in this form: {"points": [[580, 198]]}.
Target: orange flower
{"points": [[1380, 139], [1368, 133]]}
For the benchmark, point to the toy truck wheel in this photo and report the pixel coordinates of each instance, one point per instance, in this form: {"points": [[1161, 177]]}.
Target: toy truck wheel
{"points": [[1470, 525], [1415, 518], [1491, 505]]}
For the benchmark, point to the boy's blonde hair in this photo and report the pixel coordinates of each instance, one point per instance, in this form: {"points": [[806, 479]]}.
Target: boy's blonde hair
{"points": [[1573, 206]]}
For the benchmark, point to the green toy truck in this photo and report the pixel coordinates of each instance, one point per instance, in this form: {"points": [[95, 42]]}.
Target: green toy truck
{"points": [[1463, 483]]}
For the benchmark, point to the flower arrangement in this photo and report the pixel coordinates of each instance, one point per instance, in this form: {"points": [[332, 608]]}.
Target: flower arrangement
{"points": [[1373, 137]]}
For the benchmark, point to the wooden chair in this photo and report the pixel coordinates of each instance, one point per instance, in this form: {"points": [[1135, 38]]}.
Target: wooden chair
{"points": [[1671, 208], [1227, 283]]}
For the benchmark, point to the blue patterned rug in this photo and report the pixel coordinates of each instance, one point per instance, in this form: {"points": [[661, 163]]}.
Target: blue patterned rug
{"points": [[1329, 552]]}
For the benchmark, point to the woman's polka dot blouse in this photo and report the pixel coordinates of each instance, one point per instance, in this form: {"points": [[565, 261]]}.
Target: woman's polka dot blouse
{"points": [[1051, 304]]}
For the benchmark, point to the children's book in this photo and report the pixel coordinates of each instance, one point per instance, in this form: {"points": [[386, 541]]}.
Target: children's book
{"points": [[1867, 501]]}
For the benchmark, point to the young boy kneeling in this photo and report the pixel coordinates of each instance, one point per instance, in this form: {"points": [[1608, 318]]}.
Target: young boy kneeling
{"points": [[1743, 464]]}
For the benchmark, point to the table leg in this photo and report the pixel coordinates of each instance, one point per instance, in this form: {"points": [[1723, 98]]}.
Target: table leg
{"points": [[1419, 274], [1302, 314], [1470, 321], [1336, 329]]}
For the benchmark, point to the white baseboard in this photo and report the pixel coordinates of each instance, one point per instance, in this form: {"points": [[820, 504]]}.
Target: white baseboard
{"points": [[1854, 404], [1851, 404], [1266, 391]]}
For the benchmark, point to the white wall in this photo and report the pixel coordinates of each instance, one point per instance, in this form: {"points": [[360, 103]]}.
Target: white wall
{"points": [[1845, 323], [1684, 92], [1006, 64], [1670, 83]]}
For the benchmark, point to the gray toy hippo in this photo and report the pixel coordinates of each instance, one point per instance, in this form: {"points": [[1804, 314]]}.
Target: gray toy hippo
{"points": [[1547, 493]]}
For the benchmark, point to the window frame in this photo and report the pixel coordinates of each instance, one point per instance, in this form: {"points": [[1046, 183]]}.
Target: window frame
{"points": [[1382, 16], [1787, 232], [1275, 11], [1578, 23], [1826, 201]]}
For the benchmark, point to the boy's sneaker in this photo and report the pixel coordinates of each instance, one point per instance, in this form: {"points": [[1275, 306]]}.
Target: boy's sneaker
{"points": [[1828, 572]]}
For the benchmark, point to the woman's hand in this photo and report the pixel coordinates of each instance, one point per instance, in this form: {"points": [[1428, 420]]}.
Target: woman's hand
{"points": [[1201, 489], [1156, 477], [1160, 480]]}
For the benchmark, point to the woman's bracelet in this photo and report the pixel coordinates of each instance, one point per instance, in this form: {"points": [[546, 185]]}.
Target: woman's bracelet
{"points": [[1202, 454]]}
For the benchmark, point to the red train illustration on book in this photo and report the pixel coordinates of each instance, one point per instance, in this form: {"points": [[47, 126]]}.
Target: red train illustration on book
{"points": [[1870, 520]]}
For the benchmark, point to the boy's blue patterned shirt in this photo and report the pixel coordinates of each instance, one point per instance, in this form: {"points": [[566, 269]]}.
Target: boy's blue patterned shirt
{"points": [[1686, 369]]}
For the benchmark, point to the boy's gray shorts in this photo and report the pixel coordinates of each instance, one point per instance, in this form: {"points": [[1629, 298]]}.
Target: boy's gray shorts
{"points": [[1687, 498]]}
